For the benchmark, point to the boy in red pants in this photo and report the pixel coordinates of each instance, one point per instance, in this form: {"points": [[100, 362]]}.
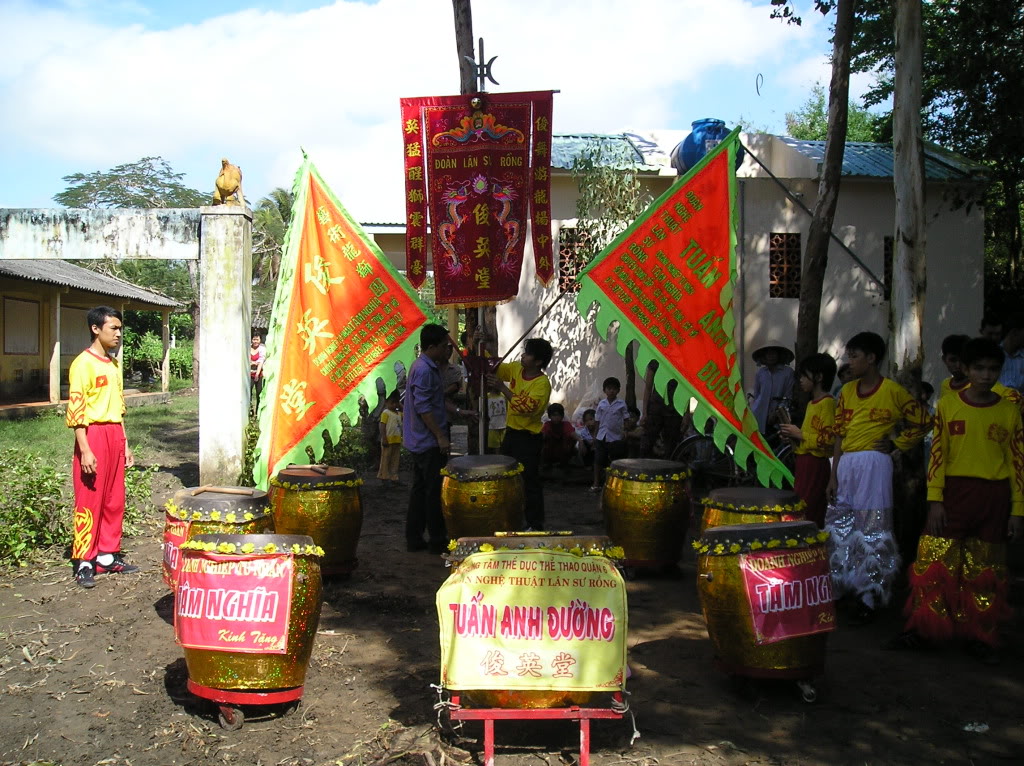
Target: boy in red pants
{"points": [[976, 502], [96, 412]]}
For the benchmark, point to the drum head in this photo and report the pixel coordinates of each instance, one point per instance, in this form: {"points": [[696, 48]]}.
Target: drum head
{"points": [[753, 498], [281, 541], [642, 469], [238, 500], [482, 467], [744, 534], [313, 475]]}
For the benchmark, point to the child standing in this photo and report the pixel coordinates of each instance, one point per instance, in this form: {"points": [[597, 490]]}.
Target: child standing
{"points": [[976, 502], [390, 439], [611, 418], [773, 384], [815, 436], [865, 560]]}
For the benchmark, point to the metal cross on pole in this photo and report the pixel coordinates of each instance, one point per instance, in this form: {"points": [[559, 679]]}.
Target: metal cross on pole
{"points": [[482, 71]]}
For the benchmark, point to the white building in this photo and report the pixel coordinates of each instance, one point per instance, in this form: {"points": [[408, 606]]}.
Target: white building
{"points": [[777, 187]]}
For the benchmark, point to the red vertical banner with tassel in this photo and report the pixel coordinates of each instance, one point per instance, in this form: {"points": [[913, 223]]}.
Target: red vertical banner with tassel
{"points": [[473, 159]]}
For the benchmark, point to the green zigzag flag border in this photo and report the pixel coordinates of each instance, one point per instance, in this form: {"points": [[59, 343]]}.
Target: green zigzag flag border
{"points": [[770, 471], [331, 422]]}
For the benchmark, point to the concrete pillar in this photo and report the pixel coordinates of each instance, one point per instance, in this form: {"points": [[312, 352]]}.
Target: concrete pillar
{"points": [[225, 264], [165, 363], [55, 351]]}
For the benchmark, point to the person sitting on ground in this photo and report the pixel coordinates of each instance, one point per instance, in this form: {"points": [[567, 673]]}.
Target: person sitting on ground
{"points": [[611, 416], [959, 582], [586, 438], [559, 438], [773, 384], [633, 433]]}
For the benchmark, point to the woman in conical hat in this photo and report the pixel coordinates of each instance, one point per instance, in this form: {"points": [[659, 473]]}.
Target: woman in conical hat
{"points": [[773, 384]]}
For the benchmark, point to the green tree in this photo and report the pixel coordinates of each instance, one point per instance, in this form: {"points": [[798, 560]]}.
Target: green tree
{"points": [[810, 121], [611, 197], [972, 88], [147, 183], [270, 222]]}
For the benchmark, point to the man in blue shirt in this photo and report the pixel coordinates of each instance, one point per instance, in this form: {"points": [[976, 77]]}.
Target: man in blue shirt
{"points": [[425, 434]]}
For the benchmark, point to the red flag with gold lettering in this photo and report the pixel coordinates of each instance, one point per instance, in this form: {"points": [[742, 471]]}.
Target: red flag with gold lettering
{"points": [[342, 317], [478, 169], [668, 281]]}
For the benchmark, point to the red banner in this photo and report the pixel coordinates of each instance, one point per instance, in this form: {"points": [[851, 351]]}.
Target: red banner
{"points": [[234, 603], [789, 592], [477, 174], [342, 316], [175, 533], [668, 280]]}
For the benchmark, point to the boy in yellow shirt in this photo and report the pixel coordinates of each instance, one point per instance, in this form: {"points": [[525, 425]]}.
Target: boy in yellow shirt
{"points": [[976, 502], [816, 435], [865, 559]]}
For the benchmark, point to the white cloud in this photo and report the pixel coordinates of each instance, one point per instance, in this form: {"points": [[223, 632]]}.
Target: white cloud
{"points": [[255, 85]]}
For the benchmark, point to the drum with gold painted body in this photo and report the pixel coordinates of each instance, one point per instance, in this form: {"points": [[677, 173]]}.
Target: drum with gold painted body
{"points": [[209, 510], [217, 669], [323, 502], [726, 608], [751, 505], [481, 495], [646, 506], [561, 541]]}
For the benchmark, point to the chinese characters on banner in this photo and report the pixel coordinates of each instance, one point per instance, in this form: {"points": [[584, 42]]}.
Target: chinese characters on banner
{"points": [[789, 592], [668, 280], [342, 317], [533, 619], [479, 176], [234, 603]]}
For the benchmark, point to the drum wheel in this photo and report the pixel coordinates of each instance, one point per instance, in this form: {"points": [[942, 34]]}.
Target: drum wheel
{"points": [[230, 718]]}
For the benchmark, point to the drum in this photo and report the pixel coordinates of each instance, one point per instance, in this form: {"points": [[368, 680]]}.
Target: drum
{"points": [[563, 541], [750, 505], [250, 600], [730, 618], [324, 503], [646, 506], [207, 510], [481, 495]]}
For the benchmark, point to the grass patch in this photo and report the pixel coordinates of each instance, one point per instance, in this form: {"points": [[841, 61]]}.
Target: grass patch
{"points": [[35, 469]]}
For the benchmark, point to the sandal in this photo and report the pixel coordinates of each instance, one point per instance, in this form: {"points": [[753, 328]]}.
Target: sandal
{"points": [[907, 641]]}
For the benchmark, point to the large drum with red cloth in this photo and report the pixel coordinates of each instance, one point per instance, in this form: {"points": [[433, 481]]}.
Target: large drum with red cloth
{"points": [[766, 594]]}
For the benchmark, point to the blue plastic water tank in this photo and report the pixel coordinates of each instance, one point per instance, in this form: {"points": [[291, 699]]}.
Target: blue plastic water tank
{"points": [[704, 137]]}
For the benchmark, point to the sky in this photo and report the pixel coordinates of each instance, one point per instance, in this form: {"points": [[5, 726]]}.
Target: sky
{"points": [[86, 85]]}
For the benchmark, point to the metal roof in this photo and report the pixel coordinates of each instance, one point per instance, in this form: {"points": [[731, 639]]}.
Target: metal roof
{"points": [[617, 151], [870, 160], [57, 272]]}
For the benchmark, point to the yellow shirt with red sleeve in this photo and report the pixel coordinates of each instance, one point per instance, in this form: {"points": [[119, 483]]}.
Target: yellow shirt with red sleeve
{"points": [[1012, 395], [95, 391], [529, 397], [818, 428], [977, 441], [862, 420]]}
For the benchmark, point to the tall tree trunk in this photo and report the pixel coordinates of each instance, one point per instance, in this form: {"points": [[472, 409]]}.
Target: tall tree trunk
{"points": [[906, 308], [908, 269], [193, 281], [812, 276]]}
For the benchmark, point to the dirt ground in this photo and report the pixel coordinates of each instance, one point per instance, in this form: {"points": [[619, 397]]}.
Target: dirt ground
{"points": [[96, 678]]}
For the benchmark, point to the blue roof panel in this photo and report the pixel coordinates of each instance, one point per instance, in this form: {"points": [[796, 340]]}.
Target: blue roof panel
{"points": [[870, 160]]}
